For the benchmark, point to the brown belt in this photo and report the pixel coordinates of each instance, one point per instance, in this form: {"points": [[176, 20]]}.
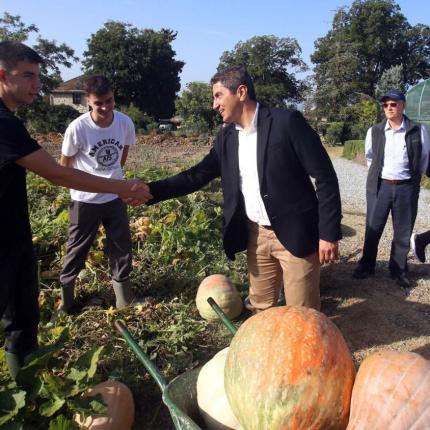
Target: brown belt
{"points": [[396, 181]]}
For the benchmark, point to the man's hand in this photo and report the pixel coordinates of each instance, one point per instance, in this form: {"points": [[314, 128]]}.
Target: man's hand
{"points": [[328, 251], [136, 193]]}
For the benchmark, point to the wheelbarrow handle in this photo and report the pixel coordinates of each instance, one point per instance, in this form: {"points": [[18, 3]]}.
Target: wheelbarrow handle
{"points": [[230, 326], [143, 357]]}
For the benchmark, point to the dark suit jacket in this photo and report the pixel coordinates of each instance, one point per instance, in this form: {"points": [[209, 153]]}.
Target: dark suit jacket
{"points": [[288, 152]]}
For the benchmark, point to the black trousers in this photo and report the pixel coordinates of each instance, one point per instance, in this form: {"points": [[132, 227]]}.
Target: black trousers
{"points": [[84, 222], [402, 201], [19, 306]]}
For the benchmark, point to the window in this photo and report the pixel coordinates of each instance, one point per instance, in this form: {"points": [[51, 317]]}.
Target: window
{"points": [[77, 98]]}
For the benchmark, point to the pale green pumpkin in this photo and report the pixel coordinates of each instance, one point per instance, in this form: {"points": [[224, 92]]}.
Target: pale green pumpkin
{"points": [[225, 294], [211, 398]]}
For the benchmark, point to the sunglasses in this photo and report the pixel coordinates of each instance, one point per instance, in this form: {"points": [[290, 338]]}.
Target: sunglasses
{"points": [[390, 104]]}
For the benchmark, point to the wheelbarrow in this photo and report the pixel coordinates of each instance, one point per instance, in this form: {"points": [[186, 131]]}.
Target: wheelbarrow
{"points": [[179, 395]]}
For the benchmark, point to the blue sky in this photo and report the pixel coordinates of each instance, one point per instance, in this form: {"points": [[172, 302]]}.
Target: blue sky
{"points": [[205, 29]]}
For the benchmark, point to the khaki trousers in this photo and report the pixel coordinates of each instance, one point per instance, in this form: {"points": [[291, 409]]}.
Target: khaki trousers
{"points": [[269, 263]]}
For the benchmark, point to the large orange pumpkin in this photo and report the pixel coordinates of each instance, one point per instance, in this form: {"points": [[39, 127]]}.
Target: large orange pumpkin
{"points": [[225, 294], [120, 408], [289, 368], [391, 392]]}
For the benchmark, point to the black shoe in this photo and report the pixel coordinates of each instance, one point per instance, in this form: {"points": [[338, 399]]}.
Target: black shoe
{"points": [[401, 280], [418, 248], [362, 273]]}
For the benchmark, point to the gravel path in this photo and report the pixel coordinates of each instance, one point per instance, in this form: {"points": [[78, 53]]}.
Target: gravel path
{"points": [[352, 181]]}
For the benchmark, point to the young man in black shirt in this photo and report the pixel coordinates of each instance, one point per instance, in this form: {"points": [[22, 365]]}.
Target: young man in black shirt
{"points": [[19, 85]]}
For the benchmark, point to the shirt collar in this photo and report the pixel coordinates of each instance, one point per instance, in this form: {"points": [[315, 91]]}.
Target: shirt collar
{"points": [[401, 128], [253, 127]]}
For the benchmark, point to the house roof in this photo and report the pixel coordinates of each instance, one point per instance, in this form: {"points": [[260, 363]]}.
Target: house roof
{"points": [[75, 85]]}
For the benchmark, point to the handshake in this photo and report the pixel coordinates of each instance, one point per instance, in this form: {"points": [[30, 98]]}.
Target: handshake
{"points": [[134, 192]]}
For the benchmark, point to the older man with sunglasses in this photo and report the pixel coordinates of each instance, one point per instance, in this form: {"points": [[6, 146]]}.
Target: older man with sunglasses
{"points": [[397, 152]]}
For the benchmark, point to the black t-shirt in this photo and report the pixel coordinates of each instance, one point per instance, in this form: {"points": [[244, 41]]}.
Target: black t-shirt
{"points": [[15, 143]]}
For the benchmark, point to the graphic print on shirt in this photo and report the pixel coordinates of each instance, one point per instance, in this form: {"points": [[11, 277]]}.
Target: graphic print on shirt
{"points": [[106, 152]]}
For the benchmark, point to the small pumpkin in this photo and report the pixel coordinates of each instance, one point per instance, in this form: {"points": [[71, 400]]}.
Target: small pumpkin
{"points": [[120, 408], [211, 397], [225, 294], [289, 368], [391, 391]]}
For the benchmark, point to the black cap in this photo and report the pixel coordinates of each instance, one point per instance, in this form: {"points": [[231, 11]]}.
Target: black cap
{"points": [[393, 95]]}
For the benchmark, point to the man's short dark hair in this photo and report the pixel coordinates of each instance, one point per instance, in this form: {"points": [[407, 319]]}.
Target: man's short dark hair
{"points": [[233, 77], [98, 85], [12, 52]]}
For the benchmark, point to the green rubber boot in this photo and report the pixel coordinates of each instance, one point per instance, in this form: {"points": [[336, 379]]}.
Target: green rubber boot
{"points": [[14, 363], [123, 294], [67, 296]]}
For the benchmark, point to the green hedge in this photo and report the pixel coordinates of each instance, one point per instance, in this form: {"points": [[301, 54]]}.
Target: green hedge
{"points": [[352, 148]]}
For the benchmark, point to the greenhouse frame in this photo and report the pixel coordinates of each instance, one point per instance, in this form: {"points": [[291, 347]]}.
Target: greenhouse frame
{"points": [[418, 103]]}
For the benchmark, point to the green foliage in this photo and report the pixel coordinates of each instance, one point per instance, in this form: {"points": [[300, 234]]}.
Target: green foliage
{"points": [[195, 106], [336, 132], [143, 123], [391, 78], [353, 148], [48, 215], [45, 395], [365, 40], [365, 115], [151, 80], [269, 60], [12, 28], [54, 55], [41, 117], [320, 127]]}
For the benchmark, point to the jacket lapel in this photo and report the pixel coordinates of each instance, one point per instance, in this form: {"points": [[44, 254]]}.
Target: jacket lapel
{"points": [[263, 128]]}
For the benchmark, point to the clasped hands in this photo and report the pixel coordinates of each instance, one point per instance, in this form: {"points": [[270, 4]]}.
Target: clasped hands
{"points": [[136, 192]]}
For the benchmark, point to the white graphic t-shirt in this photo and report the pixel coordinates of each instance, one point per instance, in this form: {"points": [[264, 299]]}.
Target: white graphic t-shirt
{"points": [[98, 150]]}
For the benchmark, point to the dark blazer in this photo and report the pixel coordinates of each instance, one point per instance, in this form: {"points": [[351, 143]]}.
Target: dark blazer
{"points": [[289, 151]]}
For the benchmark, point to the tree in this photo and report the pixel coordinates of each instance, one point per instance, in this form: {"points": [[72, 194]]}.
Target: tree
{"points": [[47, 118], [42, 117], [272, 63], [140, 65], [54, 55], [366, 40], [12, 28], [195, 106], [365, 114], [391, 78]]}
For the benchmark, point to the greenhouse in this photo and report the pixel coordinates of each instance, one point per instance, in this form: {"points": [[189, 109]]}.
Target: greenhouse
{"points": [[418, 103]]}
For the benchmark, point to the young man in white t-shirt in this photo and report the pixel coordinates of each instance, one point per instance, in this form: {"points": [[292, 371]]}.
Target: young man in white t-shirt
{"points": [[98, 142]]}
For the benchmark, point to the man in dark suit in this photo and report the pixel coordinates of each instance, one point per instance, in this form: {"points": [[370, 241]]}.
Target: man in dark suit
{"points": [[265, 157]]}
